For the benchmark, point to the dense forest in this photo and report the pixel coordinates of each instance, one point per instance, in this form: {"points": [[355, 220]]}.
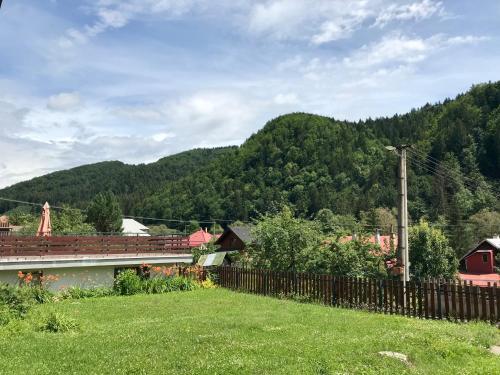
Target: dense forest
{"points": [[312, 162]]}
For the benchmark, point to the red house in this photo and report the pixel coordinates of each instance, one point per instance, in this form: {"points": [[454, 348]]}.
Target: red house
{"points": [[481, 259]]}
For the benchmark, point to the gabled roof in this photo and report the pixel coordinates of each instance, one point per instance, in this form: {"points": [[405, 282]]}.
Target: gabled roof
{"points": [[130, 226], [495, 242], [243, 232], [385, 242], [199, 237]]}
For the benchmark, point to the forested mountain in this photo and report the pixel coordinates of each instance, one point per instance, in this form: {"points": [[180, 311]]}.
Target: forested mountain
{"points": [[313, 162], [131, 183]]}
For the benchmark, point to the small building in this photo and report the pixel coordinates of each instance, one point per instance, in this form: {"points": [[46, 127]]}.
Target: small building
{"points": [[235, 238], [387, 243], [5, 227], [220, 258], [131, 227], [201, 238], [481, 258]]}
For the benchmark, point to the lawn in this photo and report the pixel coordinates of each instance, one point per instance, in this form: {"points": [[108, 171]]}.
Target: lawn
{"points": [[222, 332]]}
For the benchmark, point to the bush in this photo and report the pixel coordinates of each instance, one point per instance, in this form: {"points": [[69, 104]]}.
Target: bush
{"points": [[77, 292], [58, 322], [182, 283], [40, 294], [17, 300], [208, 284], [128, 283], [156, 285], [5, 315]]}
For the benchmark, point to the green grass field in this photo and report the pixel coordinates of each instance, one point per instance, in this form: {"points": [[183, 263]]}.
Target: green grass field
{"points": [[222, 332]]}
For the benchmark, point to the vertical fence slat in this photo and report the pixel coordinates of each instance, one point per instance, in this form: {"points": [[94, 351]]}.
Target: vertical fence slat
{"points": [[446, 286], [475, 297], [433, 303]]}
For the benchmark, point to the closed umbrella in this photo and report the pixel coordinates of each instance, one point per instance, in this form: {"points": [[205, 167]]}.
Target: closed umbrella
{"points": [[45, 227]]}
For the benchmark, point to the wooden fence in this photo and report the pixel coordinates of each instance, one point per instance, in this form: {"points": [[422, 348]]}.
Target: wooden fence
{"points": [[86, 245], [436, 299]]}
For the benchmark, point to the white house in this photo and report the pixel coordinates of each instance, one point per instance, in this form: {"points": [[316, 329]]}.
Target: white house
{"points": [[86, 261], [130, 227]]}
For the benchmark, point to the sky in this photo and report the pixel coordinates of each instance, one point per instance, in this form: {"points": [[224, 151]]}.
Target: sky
{"points": [[136, 80]]}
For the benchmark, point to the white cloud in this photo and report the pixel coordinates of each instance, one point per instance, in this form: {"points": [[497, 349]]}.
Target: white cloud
{"points": [[286, 99], [400, 49], [415, 11], [64, 101]]}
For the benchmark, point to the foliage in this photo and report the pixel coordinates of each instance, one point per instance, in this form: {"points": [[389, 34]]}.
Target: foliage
{"points": [[332, 224], [105, 213], [283, 242], [430, 254], [57, 322], [355, 258], [161, 230], [16, 299], [128, 282], [381, 218], [70, 221], [76, 292], [208, 284]]}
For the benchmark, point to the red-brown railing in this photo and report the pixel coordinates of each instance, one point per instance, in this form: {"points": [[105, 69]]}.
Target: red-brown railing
{"points": [[87, 245]]}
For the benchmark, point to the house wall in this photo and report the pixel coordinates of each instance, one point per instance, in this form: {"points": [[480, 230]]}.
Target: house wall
{"points": [[474, 262], [231, 242], [85, 277]]}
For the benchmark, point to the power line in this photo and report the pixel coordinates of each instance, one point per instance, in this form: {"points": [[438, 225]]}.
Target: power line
{"points": [[452, 174]]}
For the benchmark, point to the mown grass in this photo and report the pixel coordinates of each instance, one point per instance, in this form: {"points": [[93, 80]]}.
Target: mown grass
{"points": [[222, 332]]}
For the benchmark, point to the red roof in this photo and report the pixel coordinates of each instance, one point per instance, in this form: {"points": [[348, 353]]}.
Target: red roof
{"points": [[200, 237], [385, 242], [480, 279]]}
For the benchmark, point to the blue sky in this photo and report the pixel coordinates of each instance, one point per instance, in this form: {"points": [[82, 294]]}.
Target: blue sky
{"points": [[136, 80]]}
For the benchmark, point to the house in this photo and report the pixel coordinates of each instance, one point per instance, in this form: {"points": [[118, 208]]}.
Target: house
{"points": [[86, 261], [387, 243], [235, 238], [201, 238], [481, 258], [130, 227], [5, 228]]}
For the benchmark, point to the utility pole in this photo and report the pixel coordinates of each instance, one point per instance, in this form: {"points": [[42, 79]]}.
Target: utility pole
{"points": [[403, 251]]}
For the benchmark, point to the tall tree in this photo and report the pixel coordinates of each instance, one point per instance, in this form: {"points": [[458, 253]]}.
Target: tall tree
{"points": [[105, 214], [430, 254]]}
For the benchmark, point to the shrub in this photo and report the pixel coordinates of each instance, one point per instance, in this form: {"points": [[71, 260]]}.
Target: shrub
{"points": [[58, 322], [182, 283], [17, 300], [5, 315], [40, 294], [128, 283], [156, 285], [76, 292], [208, 284]]}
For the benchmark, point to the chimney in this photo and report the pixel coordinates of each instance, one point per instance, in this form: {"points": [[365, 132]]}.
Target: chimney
{"points": [[377, 236]]}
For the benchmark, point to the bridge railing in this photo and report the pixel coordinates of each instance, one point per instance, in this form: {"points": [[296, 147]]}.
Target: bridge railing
{"points": [[88, 245]]}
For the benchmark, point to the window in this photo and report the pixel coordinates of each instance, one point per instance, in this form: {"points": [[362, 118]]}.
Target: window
{"points": [[485, 258]]}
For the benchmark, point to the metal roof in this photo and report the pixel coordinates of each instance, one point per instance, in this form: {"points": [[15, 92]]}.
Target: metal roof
{"points": [[243, 232], [214, 259]]}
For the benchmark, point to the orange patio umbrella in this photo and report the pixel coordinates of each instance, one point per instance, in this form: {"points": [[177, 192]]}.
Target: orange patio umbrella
{"points": [[45, 227]]}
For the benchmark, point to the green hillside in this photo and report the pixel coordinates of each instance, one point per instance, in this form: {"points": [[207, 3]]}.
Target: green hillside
{"points": [[131, 183], [313, 162]]}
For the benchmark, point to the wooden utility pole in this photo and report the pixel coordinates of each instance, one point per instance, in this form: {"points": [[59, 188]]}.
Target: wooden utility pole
{"points": [[403, 251]]}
